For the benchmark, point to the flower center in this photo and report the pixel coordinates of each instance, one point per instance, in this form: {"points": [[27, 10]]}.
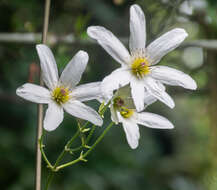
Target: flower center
{"points": [[119, 105], [140, 67], [118, 102], [126, 113], [60, 95]]}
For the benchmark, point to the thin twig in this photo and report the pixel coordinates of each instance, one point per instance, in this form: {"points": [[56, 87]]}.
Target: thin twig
{"points": [[59, 159], [49, 165], [83, 156], [40, 107]]}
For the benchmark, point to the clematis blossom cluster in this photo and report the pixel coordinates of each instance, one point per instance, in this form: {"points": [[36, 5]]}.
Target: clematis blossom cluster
{"points": [[129, 89]]}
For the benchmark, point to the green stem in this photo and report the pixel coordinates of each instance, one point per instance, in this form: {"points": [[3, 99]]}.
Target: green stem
{"points": [[94, 126], [50, 177], [99, 139], [102, 111], [82, 156], [82, 136], [43, 153], [87, 140], [85, 125], [90, 134], [60, 157], [66, 148], [76, 149]]}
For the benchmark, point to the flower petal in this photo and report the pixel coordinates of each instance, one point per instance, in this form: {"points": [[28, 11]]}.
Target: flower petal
{"points": [[87, 92], [138, 93], [153, 121], [110, 43], [80, 110], [53, 117], [34, 93], [156, 90], [72, 73], [114, 116], [131, 130], [149, 98], [172, 76], [118, 78], [164, 44], [137, 28], [48, 66]]}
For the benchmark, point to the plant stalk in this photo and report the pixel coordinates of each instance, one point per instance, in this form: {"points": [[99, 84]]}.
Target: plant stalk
{"points": [[83, 156], [40, 106]]}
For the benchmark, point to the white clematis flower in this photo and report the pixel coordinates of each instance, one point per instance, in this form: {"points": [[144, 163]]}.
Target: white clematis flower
{"points": [[62, 93], [137, 67], [123, 111]]}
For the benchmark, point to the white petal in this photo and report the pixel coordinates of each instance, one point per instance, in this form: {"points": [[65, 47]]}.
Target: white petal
{"points": [[87, 92], [153, 121], [110, 43], [172, 76], [149, 98], [137, 28], [34, 93], [48, 66], [156, 90], [118, 78], [161, 85], [164, 44], [80, 110], [138, 93], [53, 117], [72, 73], [114, 116], [102, 100], [131, 130]]}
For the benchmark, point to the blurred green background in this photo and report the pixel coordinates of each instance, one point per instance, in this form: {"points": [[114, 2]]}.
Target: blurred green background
{"points": [[184, 158]]}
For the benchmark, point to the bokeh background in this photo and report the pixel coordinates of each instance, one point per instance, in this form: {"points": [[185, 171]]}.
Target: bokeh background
{"points": [[184, 158]]}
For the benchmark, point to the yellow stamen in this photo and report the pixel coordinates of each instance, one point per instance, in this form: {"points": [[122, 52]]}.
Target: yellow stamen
{"points": [[140, 67], [126, 113], [61, 95]]}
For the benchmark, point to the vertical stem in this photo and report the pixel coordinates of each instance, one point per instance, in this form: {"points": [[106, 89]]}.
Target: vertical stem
{"points": [[212, 63], [50, 177], [40, 107]]}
